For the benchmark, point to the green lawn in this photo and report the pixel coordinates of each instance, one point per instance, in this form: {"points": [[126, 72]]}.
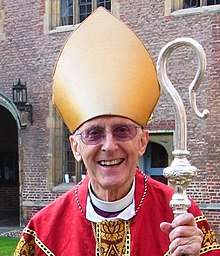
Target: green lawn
{"points": [[7, 246]]}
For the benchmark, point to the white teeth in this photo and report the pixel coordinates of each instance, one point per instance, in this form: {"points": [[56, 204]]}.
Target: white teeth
{"points": [[110, 162]]}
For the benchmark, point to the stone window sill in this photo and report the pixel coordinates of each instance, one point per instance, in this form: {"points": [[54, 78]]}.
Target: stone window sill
{"points": [[64, 28], [198, 10]]}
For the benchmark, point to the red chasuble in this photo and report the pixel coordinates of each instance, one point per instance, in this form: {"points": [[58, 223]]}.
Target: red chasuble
{"points": [[62, 229]]}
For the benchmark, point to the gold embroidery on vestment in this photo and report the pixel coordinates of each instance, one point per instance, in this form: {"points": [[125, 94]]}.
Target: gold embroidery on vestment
{"points": [[112, 238], [210, 242], [24, 246], [209, 237]]}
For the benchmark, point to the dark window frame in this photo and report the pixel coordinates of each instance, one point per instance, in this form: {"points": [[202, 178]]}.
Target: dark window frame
{"points": [[71, 12], [199, 3]]}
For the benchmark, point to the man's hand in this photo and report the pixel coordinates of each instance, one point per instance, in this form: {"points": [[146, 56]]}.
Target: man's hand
{"points": [[185, 236]]}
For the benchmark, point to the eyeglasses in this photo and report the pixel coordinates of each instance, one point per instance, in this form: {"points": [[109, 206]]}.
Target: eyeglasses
{"points": [[120, 132]]}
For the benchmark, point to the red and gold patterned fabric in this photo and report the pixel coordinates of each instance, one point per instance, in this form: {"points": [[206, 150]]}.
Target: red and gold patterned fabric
{"points": [[209, 241], [62, 229], [112, 237]]}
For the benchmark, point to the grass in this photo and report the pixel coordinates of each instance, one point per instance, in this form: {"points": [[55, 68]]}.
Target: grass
{"points": [[7, 246]]}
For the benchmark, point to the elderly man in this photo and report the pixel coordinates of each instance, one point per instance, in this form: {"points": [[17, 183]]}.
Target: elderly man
{"points": [[105, 88]]}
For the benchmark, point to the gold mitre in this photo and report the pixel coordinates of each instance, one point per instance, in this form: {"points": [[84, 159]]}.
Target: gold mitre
{"points": [[104, 69]]}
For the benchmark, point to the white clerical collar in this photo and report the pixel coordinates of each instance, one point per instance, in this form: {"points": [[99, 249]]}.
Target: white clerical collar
{"points": [[114, 206], [93, 216], [126, 205]]}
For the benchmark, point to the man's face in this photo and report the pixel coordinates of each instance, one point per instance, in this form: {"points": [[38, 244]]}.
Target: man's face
{"points": [[112, 160]]}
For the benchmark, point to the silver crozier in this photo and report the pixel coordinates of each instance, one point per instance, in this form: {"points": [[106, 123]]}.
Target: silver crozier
{"points": [[180, 173]]}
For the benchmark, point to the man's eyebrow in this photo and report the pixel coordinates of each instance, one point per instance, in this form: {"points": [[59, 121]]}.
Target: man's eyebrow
{"points": [[93, 126]]}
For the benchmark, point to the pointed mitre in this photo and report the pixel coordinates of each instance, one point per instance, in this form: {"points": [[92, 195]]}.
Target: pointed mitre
{"points": [[104, 69]]}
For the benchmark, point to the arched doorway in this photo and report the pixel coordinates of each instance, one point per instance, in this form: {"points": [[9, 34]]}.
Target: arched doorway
{"points": [[154, 160], [9, 170]]}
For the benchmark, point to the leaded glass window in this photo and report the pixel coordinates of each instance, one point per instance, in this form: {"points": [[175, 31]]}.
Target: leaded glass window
{"points": [[69, 12], [199, 3]]}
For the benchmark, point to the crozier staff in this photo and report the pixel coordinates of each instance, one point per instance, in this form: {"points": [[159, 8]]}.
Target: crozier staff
{"points": [[105, 88]]}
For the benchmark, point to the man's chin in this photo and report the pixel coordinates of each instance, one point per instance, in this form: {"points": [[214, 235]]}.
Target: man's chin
{"points": [[112, 183]]}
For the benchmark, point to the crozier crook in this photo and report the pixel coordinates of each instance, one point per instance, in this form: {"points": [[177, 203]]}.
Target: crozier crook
{"points": [[180, 173]]}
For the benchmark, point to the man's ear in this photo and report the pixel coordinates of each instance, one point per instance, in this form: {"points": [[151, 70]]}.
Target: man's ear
{"points": [[75, 148], [143, 141]]}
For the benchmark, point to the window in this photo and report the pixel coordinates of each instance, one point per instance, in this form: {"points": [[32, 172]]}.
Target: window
{"points": [[63, 167], [72, 170], [66, 12], [69, 12], [174, 5], [157, 156], [154, 161], [198, 3]]}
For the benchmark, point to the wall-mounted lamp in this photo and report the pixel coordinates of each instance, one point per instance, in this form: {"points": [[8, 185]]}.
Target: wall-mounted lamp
{"points": [[19, 92]]}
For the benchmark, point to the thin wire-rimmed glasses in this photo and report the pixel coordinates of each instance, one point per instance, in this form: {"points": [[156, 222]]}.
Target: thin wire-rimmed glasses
{"points": [[94, 135]]}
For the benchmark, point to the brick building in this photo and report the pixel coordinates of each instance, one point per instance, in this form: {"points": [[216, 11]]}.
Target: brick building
{"points": [[36, 164]]}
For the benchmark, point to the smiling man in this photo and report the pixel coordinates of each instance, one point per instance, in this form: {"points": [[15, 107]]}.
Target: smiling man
{"points": [[105, 89], [110, 147]]}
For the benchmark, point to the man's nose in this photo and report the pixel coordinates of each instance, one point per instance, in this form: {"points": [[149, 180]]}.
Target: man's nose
{"points": [[109, 143]]}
